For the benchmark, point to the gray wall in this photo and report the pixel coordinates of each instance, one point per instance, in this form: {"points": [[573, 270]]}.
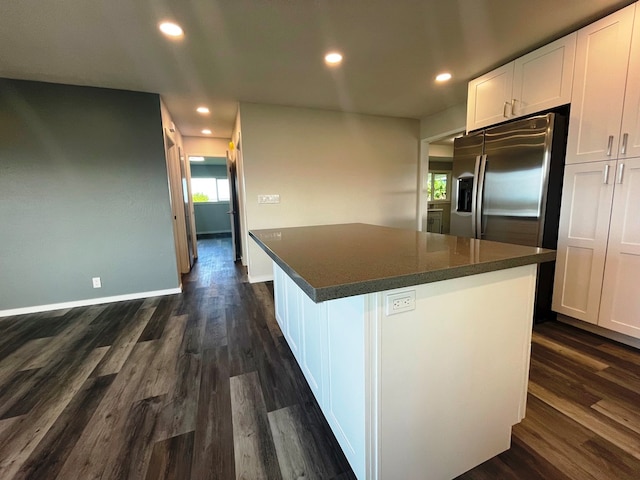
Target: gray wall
{"points": [[198, 170], [84, 193], [211, 217]]}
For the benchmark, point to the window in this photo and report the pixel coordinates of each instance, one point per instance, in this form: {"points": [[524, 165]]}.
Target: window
{"points": [[438, 186], [209, 189]]}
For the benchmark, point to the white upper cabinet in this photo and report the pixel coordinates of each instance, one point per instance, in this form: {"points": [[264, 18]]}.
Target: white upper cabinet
{"points": [[537, 81], [542, 79], [630, 132], [489, 97], [602, 61]]}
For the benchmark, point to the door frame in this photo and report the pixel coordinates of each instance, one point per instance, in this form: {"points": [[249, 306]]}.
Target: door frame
{"points": [[423, 169]]}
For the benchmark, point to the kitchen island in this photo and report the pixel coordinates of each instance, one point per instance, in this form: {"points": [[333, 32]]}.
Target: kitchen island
{"points": [[415, 345]]}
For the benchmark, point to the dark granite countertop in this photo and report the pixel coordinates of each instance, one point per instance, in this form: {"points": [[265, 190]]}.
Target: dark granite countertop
{"points": [[335, 261]]}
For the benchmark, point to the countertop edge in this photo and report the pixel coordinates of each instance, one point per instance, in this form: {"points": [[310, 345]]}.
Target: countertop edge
{"points": [[334, 292]]}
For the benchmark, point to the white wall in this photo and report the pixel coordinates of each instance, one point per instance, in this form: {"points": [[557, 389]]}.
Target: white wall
{"points": [[449, 120], [328, 167]]}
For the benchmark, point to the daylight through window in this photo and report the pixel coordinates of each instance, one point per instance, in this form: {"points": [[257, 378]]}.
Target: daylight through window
{"points": [[209, 189], [438, 186]]}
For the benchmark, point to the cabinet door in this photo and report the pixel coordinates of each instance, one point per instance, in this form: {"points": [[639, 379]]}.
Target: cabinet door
{"points": [[489, 98], [620, 309], [279, 288], [631, 116], [582, 239], [313, 317], [602, 56], [542, 79], [293, 327]]}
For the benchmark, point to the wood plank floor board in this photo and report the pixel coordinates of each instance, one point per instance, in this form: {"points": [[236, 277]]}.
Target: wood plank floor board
{"points": [[254, 449], [300, 455], [213, 456], [598, 383], [88, 459], [241, 353], [129, 455], [624, 413], [615, 433], [528, 464], [160, 371], [568, 386], [278, 390], [124, 343], [143, 390], [171, 458], [215, 332], [21, 439], [47, 458], [592, 345], [162, 313], [16, 388]]}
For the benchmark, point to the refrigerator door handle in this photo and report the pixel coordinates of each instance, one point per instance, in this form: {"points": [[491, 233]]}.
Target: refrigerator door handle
{"points": [[474, 195], [483, 168]]}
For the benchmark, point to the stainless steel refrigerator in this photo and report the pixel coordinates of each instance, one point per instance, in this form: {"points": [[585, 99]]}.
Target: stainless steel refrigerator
{"points": [[506, 186]]}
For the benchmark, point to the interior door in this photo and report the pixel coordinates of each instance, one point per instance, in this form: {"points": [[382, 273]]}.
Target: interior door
{"points": [[236, 237], [186, 196]]}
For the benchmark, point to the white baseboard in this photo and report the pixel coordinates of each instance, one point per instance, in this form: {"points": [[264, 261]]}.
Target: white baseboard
{"points": [[603, 332], [89, 301], [260, 278]]}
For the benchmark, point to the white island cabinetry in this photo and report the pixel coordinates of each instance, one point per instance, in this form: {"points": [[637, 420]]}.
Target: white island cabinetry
{"points": [[430, 391]]}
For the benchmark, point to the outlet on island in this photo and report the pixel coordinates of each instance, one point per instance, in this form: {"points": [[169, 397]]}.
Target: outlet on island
{"points": [[400, 302], [97, 283]]}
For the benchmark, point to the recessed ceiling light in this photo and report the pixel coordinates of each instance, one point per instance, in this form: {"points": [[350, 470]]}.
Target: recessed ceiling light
{"points": [[171, 29], [206, 131], [202, 110], [443, 77], [196, 159], [333, 58]]}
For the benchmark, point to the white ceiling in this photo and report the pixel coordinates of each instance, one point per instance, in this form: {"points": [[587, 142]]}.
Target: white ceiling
{"points": [[271, 51]]}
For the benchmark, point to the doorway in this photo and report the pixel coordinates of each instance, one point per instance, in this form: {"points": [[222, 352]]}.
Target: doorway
{"points": [[177, 196], [434, 194]]}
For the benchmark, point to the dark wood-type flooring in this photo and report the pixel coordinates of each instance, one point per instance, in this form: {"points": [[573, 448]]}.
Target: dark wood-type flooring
{"points": [[202, 385]]}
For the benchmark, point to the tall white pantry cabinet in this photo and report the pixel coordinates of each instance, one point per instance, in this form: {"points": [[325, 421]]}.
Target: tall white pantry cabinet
{"points": [[598, 265]]}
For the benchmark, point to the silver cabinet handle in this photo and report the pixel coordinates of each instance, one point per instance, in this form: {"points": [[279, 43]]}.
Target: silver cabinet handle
{"points": [[605, 178], [620, 173], [610, 145], [625, 138], [504, 110]]}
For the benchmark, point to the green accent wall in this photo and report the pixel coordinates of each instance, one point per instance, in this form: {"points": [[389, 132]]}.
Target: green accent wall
{"points": [[84, 193]]}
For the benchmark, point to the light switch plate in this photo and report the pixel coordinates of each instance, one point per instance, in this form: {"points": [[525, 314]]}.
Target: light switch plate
{"points": [[268, 198]]}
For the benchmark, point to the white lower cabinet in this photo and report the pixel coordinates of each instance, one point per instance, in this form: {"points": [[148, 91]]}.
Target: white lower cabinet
{"points": [[427, 393], [585, 210], [598, 262], [620, 308]]}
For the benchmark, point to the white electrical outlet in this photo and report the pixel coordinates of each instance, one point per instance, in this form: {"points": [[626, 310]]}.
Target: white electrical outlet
{"points": [[400, 302], [97, 283]]}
